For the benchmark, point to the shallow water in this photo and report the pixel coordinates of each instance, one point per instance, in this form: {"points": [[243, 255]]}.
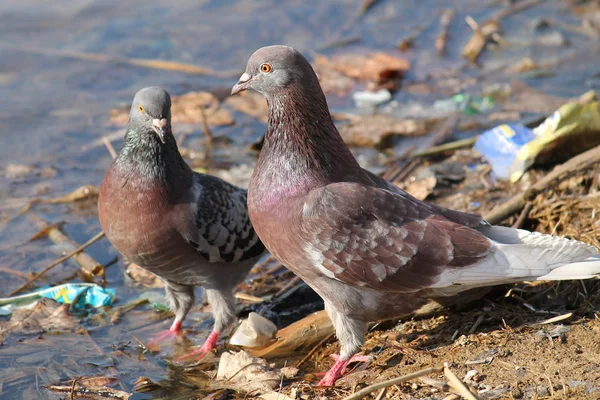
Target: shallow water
{"points": [[53, 110]]}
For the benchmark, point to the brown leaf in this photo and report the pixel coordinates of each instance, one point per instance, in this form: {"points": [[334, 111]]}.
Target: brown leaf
{"points": [[374, 66], [421, 188], [250, 103], [378, 68], [185, 109], [376, 130], [46, 315], [243, 372]]}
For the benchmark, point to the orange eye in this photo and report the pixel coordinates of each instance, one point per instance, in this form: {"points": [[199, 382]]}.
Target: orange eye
{"points": [[140, 108], [265, 68]]}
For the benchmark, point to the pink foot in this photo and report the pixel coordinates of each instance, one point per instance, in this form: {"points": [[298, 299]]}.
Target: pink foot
{"points": [[338, 369], [172, 332], [202, 351]]}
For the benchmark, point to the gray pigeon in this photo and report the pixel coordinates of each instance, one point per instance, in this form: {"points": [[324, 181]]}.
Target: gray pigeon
{"points": [[371, 250], [190, 229]]}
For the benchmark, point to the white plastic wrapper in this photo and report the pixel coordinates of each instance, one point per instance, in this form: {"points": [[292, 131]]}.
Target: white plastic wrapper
{"points": [[256, 331]]}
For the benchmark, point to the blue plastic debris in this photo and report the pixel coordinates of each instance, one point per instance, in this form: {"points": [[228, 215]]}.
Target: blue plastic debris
{"points": [[500, 145], [78, 294]]}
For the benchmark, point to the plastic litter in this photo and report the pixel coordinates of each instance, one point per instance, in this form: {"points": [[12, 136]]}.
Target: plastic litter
{"points": [[500, 145], [256, 331], [78, 294], [371, 99], [512, 148]]}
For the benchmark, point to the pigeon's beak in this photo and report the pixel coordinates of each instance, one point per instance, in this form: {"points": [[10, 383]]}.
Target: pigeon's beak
{"points": [[242, 84], [159, 126]]}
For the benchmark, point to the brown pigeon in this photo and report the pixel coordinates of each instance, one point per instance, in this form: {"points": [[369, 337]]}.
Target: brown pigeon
{"points": [[189, 229], [369, 249]]}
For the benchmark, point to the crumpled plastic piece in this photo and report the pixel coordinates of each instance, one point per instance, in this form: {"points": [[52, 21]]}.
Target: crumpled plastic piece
{"points": [[256, 331], [500, 145], [572, 129], [78, 294], [512, 148]]}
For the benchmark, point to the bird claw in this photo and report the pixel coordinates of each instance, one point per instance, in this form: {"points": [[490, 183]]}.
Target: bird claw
{"points": [[159, 337], [339, 368], [200, 353]]}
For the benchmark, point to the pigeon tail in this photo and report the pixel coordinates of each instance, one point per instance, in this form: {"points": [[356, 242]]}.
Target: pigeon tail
{"points": [[586, 269], [520, 255]]}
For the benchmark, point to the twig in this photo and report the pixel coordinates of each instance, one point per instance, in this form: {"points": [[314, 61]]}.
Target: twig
{"points": [[476, 324], [97, 237], [138, 62], [366, 6], [442, 37], [557, 175], [73, 387], [205, 128], [524, 214], [458, 384], [314, 350], [142, 344], [109, 147], [381, 394], [455, 145], [248, 297], [290, 284], [369, 389]]}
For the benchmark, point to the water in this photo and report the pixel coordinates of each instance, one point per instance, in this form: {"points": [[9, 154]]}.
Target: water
{"points": [[53, 109]]}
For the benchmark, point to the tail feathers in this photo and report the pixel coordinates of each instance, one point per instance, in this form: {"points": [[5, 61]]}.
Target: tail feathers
{"points": [[586, 269], [520, 255]]}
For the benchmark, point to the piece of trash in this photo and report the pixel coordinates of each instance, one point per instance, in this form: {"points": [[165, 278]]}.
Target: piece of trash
{"points": [[500, 145], [572, 129], [371, 99], [465, 103], [78, 294], [255, 331], [553, 332], [242, 371]]}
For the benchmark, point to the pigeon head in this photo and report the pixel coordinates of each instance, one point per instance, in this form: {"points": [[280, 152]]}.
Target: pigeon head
{"points": [[272, 69], [151, 111]]}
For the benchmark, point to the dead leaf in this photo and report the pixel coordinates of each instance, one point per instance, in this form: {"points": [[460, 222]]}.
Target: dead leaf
{"points": [[377, 68], [46, 315], [376, 130], [186, 109], [250, 103], [143, 277], [421, 188], [243, 372], [275, 396]]}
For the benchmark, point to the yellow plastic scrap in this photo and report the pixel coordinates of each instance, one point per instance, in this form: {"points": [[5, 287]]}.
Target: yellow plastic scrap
{"points": [[572, 129]]}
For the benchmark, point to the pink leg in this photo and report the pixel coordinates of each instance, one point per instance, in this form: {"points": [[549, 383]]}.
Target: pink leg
{"points": [[201, 352], [338, 369], [173, 331]]}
